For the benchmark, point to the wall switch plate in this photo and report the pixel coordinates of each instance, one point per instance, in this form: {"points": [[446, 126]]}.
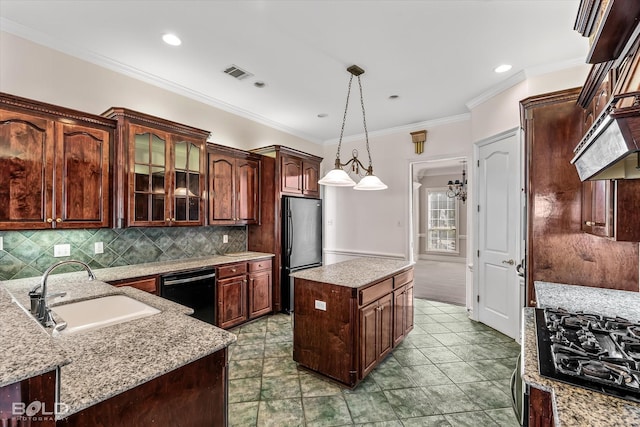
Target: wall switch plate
{"points": [[62, 250], [321, 305], [98, 248], [225, 238]]}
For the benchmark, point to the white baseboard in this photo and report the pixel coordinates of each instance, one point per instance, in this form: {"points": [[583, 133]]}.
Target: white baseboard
{"points": [[442, 258]]}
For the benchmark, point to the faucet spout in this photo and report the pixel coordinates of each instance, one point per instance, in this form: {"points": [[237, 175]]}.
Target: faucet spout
{"points": [[39, 307]]}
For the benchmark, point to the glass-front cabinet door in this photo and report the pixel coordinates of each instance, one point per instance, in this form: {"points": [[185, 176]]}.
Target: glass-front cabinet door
{"points": [[167, 179], [148, 198], [187, 182]]}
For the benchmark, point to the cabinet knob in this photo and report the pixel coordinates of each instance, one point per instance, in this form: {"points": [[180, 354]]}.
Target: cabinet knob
{"points": [[173, 220], [589, 223], [233, 270], [168, 219], [49, 220], [58, 219]]}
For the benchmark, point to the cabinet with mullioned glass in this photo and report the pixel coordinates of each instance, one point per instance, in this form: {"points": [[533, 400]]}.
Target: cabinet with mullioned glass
{"points": [[160, 179]]}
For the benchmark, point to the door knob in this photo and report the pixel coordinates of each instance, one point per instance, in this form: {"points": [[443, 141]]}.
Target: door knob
{"points": [[508, 261]]}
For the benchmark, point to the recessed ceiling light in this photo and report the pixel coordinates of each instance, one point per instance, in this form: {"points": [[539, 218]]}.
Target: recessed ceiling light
{"points": [[171, 39], [394, 96], [260, 84], [502, 68], [323, 115]]}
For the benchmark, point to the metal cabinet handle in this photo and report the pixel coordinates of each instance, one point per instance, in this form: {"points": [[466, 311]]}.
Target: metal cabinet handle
{"points": [[508, 261]]}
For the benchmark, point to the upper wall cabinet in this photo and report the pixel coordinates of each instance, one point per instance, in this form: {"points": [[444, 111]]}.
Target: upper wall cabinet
{"points": [[160, 178], [298, 172], [54, 166], [234, 186]]}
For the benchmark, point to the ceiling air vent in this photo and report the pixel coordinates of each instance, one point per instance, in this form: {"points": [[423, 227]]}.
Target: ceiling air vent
{"points": [[237, 72]]}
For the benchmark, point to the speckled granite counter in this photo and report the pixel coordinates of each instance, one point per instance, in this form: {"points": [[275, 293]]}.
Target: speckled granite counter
{"points": [[99, 364], [575, 406], [353, 273], [609, 302]]}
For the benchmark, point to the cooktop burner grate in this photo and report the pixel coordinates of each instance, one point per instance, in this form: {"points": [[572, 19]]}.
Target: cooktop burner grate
{"points": [[590, 351]]}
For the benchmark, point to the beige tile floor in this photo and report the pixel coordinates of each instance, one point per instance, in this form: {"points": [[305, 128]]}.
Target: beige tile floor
{"points": [[449, 371]]}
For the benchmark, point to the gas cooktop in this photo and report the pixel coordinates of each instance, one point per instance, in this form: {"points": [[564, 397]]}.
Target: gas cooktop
{"points": [[588, 350]]}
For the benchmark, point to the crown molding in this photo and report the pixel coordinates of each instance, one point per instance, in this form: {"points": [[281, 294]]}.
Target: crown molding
{"points": [[102, 61], [403, 129], [519, 77]]}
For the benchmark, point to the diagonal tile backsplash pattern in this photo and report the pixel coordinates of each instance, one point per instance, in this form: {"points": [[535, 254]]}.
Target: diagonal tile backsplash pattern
{"points": [[30, 253]]}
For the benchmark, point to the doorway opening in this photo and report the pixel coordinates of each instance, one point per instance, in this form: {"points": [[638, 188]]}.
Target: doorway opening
{"points": [[439, 232]]}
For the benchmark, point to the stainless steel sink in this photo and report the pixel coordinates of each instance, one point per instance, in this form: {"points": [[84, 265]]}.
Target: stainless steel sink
{"points": [[100, 312]]}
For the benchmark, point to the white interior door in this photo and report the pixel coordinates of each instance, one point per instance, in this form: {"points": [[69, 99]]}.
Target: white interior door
{"points": [[498, 227]]}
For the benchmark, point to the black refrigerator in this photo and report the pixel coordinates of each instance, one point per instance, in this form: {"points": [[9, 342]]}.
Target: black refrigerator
{"points": [[301, 241]]}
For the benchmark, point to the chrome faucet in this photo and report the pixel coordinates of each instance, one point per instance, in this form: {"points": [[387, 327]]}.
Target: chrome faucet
{"points": [[39, 308]]}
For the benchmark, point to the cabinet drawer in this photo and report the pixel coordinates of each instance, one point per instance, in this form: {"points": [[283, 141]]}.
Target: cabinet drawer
{"points": [[264, 264], [402, 278], [147, 284], [376, 291], [232, 270]]}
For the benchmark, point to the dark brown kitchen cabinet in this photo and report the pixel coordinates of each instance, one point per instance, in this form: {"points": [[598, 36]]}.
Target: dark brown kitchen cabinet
{"points": [[611, 208], [54, 166], [234, 187], [402, 306], [232, 295], [557, 248], [260, 288], [160, 174], [540, 408], [16, 401], [195, 394], [299, 175], [376, 326], [244, 292], [147, 284], [343, 332], [284, 171]]}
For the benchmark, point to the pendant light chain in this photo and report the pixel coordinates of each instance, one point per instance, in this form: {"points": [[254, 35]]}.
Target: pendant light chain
{"points": [[364, 122], [344, 118]]}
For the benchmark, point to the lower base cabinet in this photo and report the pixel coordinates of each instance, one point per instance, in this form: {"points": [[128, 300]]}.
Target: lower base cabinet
{"points": [[147, 284], [540, 408], [192, 396], [244, 292], [17, 401], [344, 332]]}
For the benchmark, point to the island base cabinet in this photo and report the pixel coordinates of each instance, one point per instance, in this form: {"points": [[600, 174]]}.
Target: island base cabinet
{"points": [[322, 337], [17, 399], [376, 324], [344, 332], [540, 408], [192, 396]]}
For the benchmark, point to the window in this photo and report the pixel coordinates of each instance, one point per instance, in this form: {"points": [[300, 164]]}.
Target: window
{"points": [[442, 221]]}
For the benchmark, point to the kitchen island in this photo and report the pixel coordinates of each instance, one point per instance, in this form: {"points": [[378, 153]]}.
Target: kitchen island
{"points": [[167, 368], [349, 316], [574, 406]]}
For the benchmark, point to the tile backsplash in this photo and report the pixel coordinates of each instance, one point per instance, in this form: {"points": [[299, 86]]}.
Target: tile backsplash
{"points": [[30, 253]]}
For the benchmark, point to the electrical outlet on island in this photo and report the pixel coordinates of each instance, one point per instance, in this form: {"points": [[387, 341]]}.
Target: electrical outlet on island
{"points": [[225, 238]]}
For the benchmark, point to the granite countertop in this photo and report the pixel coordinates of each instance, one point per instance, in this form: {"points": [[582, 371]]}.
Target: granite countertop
{"points": [[353, 273], [98, 364], [576, 406], [609, 302]]}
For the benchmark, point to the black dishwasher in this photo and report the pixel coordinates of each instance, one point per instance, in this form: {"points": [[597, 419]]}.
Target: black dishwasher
{"points": [[195, 289]]}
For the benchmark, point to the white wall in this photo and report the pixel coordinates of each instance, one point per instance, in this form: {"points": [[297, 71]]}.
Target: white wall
{"points": [[33, 71], [376, 222]]}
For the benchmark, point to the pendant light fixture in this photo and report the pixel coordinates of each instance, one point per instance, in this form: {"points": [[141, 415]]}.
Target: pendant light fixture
{"points": [[337, 177]]}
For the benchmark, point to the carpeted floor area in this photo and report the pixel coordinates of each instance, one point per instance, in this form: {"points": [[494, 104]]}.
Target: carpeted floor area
{"points": [[440, 281]]}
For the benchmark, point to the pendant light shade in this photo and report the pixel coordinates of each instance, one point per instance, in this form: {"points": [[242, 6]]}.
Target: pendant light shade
{"points": [[337, 177], [370, 183]]}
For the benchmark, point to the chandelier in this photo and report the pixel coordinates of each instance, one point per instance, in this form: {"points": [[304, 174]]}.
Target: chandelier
{"points": [[458, 188], [337, 177]]}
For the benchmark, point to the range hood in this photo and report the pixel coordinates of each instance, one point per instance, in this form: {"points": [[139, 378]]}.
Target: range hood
{"points": [[610, 148]]}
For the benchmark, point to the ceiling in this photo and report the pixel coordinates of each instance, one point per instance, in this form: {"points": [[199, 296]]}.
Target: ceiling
{"points": [[436, 56]]}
